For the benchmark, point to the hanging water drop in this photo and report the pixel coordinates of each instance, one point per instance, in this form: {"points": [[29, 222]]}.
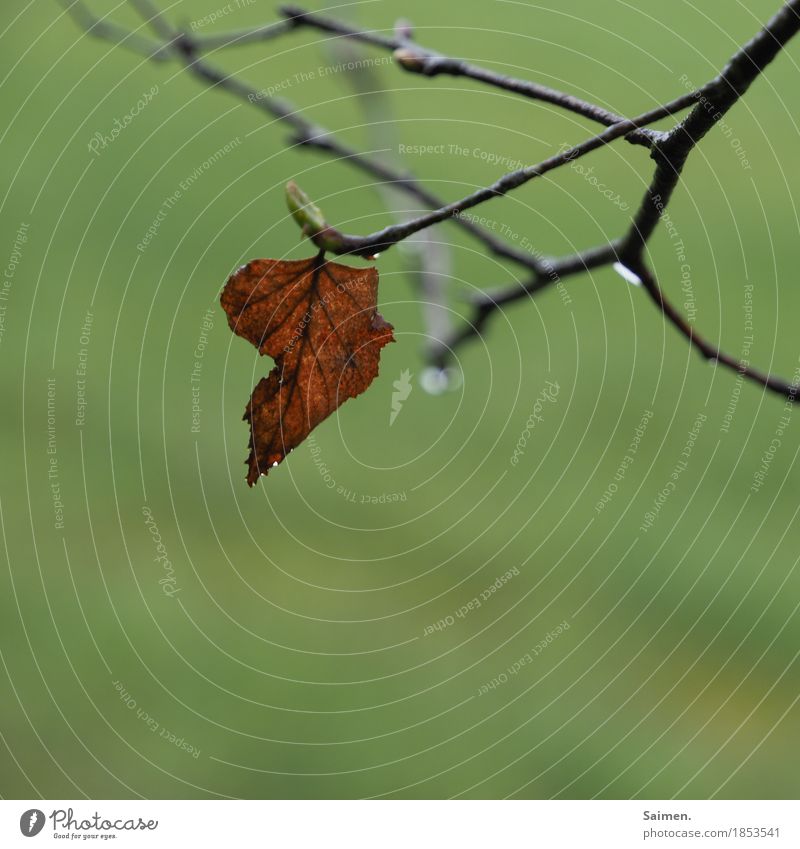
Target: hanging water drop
{"points": [[436, 381], [626, 274]]}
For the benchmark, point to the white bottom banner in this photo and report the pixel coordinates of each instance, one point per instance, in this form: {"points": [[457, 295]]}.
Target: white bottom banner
{"points": [[400, 824]]}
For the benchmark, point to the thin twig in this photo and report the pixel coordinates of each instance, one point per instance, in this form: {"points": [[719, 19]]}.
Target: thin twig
{"points": [[718, 96], [388, 236], [109, 31], [238, 38], [419, 60], [705, 348]]}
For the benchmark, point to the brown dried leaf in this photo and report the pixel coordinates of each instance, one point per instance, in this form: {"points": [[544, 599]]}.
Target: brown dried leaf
{"points": [[319, 321]]}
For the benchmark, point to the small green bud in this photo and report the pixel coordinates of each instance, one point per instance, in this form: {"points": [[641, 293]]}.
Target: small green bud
{"points": [[304, 211]]}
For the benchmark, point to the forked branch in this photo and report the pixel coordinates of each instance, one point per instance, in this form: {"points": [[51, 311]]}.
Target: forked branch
{"points": [[669, 150]]}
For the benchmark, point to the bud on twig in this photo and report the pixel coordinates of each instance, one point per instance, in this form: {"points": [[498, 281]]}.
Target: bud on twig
{"points": [[304, 211], [409, 60], [311, 219]]}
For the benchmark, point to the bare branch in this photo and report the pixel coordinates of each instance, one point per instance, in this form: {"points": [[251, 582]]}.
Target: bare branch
{"points": [[419, 60], [554, 271], [313, 136], [714, 100], [302, 17], [669, 150], [101, 28], [705, 348], [388, 236], [238, 38]]}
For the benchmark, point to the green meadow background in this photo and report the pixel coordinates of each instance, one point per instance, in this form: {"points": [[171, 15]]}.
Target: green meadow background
{"points": [[284, 644]]}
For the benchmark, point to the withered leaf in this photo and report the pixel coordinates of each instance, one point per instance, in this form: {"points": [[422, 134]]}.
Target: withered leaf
{"points": [[319, 321]]}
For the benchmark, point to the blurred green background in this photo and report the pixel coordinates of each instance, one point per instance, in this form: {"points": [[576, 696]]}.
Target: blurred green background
{"points": [[295, 656]]}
